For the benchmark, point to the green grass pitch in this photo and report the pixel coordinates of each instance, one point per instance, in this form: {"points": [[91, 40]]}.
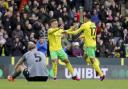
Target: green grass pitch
{"points": [[64, 84]]}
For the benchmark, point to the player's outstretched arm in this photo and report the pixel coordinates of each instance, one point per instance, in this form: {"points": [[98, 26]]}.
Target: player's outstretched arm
{"points": [[71, 30]]}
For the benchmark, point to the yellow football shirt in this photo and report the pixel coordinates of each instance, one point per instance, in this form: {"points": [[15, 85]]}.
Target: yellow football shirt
{"points": [[89, 32], [54, 38]]}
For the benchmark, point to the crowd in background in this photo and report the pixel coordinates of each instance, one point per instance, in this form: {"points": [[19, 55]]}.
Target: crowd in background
{"points": [[32, 22]]}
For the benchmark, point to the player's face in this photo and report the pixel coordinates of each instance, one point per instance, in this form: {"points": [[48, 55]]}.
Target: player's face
{"points": [[54, 24], [85, 19]]}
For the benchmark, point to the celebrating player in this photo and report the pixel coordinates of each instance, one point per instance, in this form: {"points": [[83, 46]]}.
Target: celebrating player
{"points": [[35, 68], [56, 50], [89, 33]]}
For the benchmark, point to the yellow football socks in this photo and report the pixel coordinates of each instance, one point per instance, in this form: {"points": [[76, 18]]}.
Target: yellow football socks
{"points": [[96, 67], [54, 66], [70, 68]]}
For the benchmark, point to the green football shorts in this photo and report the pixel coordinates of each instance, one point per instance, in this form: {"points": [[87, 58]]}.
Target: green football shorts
{"points": [[59, 54], [90, 52]]}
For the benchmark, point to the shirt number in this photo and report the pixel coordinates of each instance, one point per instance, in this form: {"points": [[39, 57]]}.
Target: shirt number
{"points": [[37, 58], [93, 31]]}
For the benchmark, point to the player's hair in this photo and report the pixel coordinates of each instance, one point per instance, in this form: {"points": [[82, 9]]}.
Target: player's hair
{"points": [[33, 41], [87, 16], [52, 20], [31, 45]]}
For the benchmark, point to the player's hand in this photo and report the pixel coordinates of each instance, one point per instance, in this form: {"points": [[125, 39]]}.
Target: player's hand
{"points": [[81, 36], [73, 27], [61, 26]]}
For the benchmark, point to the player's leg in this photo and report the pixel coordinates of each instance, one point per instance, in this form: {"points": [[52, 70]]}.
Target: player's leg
{"points": [[17, 72], [88, 61], [54, 59], [95, 62], [63, 57], [85, 57], [55, 68]]}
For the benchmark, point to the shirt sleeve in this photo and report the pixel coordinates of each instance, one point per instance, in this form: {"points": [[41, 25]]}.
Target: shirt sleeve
{"points": [[50, 31]]}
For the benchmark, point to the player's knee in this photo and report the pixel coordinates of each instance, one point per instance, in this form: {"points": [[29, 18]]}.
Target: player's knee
{"points": [[55, 61], [20, 68], [66, 61], [92, 60]]}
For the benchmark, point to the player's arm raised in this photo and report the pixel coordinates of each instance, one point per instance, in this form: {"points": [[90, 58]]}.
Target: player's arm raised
{"points": [[71, 31]]}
